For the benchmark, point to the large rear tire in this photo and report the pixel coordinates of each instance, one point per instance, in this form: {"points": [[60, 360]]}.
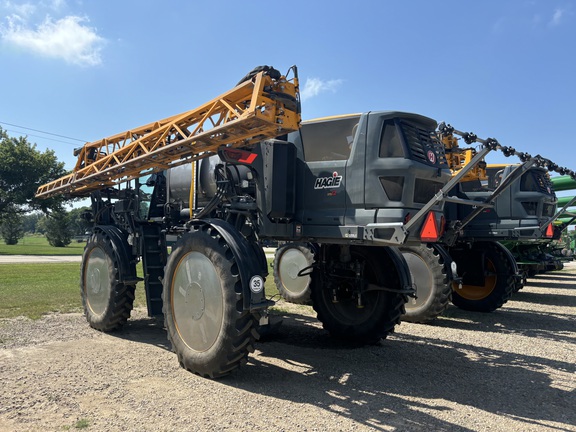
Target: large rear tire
{"points": [[433, 290], [107, 302], [337, 305], [498, 278], [203, 305]]}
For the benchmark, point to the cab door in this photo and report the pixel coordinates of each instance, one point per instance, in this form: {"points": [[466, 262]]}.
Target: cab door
{"points": [[326, 146]]}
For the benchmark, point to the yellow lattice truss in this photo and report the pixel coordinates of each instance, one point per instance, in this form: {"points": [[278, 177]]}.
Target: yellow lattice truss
{"points": [[257, 109]]}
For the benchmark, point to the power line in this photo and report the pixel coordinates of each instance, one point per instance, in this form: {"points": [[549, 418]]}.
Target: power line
{"points": [[43, 132], [38, 136]]}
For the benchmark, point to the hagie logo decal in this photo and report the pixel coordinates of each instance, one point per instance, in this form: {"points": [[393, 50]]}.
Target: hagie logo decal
{"points": [[431, 156], [328, 182]]}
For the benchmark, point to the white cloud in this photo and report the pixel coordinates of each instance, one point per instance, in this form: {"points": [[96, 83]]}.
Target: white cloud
{"points": [[23, 10], [26, 9], [557, 17], [66, 38], [315, 86]]}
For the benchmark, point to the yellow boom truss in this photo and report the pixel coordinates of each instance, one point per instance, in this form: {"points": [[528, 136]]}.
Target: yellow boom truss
{"points": [[260, 108]]}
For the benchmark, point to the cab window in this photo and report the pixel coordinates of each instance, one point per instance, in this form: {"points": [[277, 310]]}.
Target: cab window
{"points": [[391, 142], [329, 140]]}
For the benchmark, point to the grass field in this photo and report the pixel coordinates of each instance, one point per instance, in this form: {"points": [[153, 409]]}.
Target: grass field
{"points": [[33, 290], [38, 245]]}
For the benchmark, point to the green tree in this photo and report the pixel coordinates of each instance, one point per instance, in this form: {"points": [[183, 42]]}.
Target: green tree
{"points": [[40, 227], [58, 230], [30, 222], [11, 227], [22, 169], [79, 225]]}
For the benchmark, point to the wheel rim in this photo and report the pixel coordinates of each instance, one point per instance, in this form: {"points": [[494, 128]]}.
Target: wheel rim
{"points": [[422, 278], [478, 292], [96, 280], [346, 309], [291, 262], [197, 301]]}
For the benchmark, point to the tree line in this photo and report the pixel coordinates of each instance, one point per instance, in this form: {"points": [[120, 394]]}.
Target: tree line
{"points": [[60, 228], [23, 168]]}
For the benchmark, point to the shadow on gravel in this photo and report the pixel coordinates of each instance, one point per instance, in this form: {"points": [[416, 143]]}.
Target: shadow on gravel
{"points": [[549, 326], [542, 277], [387, 386], [544, 298], [376, 386], [542, 283], [145, 330]]}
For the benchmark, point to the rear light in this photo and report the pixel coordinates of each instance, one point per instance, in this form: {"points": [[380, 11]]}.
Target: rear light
{"points": [[429, 231], [549, 231]]}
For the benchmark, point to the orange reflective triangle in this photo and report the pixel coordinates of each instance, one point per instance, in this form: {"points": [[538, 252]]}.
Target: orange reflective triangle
{"points": [[549, 231], [429, 232]]}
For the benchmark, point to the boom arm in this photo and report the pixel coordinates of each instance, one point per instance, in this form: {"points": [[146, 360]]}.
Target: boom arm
{"points": [[265, 105]]}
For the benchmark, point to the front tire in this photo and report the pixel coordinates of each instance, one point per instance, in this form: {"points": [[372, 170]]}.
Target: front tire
{"points": [[372, 317], [203, 305], [107, 302]]}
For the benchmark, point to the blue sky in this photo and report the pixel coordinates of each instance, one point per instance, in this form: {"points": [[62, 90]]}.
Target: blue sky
{"points": [[89, 69]]}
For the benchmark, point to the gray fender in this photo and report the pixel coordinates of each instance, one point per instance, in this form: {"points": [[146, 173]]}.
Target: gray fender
{"points": [[250, 262], [403, 270], [122, 252]]}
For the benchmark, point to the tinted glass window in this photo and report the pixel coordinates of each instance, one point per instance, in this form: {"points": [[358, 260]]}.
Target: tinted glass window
{"points": [[391, 143], [329, 140]]}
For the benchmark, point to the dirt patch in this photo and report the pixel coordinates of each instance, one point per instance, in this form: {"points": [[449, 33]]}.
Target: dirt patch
{"points": [[508, 371]]}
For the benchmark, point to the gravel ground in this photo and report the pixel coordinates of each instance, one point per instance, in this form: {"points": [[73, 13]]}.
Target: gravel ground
{"points": [[512, 370]]}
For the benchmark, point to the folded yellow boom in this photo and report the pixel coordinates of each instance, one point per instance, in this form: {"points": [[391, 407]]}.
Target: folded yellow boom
{"points": [[259, 108]]}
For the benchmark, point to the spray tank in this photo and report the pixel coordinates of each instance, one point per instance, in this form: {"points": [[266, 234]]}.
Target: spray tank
{"points": [[201, 175]]}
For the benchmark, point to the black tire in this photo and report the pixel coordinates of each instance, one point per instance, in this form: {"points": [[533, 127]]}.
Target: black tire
{"points": [[203, 305], [107, 303], [429, 276], [521, 281], [499, 281], [289, 260], [381, 310]]}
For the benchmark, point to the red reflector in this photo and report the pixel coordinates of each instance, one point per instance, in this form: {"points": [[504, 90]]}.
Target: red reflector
{"points": [[241, 156], [549, 231], [429, 232]]}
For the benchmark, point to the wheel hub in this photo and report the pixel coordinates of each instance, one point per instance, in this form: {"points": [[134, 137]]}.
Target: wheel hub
{"points": [[291, 263], [94, 281], [194, 299]]}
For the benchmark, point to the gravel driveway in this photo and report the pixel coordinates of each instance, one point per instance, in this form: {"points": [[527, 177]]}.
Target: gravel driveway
{"points": [[512, 370]]}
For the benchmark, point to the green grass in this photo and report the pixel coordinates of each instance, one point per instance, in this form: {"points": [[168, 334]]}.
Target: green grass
{"points": [[33, 290], [82, 424], [38, 245]]}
